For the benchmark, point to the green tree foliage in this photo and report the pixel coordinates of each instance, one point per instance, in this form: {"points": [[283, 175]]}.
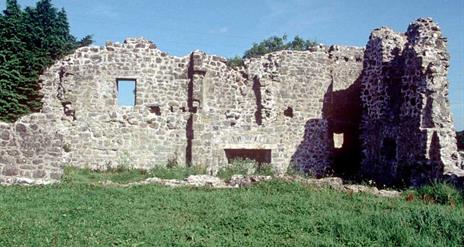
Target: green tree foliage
{"points": [[272, 44], [236, 61], [276, 43], [30, 40]]}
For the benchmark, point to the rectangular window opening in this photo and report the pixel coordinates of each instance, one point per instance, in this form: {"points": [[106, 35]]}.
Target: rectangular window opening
{"points": [[338, 139], [126, 92], [260, 156]]}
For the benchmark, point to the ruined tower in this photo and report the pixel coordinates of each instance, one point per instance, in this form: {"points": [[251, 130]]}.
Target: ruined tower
{"points": [[407, 129]]}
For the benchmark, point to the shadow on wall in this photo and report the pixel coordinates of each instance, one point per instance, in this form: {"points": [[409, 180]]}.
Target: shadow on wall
{"points": [[331, 145], [312, 155], [343, 111], [460, 140]]}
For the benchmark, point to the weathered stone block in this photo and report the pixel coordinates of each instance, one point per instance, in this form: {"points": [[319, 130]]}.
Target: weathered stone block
{"points": [[38, 174], [10, 171]]}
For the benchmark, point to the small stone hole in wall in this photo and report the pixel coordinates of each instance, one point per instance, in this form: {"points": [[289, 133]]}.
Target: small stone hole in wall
{"points": [[67, 148], [260, 156], [69, 110], [288, 112], [126, 92], [155, 109], [171, 108], [338, 139]]}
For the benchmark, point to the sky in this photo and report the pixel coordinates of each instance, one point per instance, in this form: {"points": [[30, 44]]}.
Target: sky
{"points": [[229, 27], [126, 93]]}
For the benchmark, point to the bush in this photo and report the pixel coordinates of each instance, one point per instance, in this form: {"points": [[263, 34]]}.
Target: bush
{"points": [[442, 193], [235, 62], [176, 172], [238, 166], [264, 169], [245, 167]]}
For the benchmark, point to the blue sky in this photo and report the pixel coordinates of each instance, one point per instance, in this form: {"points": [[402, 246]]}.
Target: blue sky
{"points": [[126, 92], [227, 28]]}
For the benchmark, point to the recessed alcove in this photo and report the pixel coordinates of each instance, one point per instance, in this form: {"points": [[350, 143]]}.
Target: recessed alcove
{"points": [[260, 156]]}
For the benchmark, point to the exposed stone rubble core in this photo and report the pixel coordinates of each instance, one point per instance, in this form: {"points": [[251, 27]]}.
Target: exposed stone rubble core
{"points": [[330, 110]]}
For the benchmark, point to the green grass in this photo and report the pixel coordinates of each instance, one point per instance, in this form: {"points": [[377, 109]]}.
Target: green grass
{"points": [[177, 172], [237, 167], [126, 175], [86, 176], [244, 167], [269, 214], [442, 193]]}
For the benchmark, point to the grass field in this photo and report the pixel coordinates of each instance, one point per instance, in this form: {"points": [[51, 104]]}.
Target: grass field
{"points": [[275, 213]]}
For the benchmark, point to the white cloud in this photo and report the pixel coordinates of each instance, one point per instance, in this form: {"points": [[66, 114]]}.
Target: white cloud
{"points": [[223, 29], [288, 15], [220, 30]]}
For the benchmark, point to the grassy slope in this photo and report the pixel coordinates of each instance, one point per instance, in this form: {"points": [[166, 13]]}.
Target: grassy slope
{"points": [[277, 212]]}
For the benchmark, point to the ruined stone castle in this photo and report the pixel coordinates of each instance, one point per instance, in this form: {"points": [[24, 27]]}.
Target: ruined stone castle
{"points": [[379, 112]]}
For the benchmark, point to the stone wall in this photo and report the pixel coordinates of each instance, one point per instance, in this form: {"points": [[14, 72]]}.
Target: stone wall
{"points": [[407, 129], [320, 110], [32, 150], [82, 90], [278, 102], [190, 110]]}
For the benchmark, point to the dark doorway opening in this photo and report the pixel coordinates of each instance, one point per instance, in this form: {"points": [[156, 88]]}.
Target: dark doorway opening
{"points": [[343, 111]]}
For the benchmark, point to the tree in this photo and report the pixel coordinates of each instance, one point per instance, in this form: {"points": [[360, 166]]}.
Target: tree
{"points": [[276, 43], [12, 56], [30, 41], [272, 44]]}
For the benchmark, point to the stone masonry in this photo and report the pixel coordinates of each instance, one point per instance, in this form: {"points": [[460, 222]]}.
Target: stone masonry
{"points": [[407, 129], [339, 110]]}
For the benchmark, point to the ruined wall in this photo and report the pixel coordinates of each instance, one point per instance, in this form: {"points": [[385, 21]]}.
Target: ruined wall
{"points": [[31, 150], [407, 130], [276, 102], [189, 110], [381, 112], [99, 133]]}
